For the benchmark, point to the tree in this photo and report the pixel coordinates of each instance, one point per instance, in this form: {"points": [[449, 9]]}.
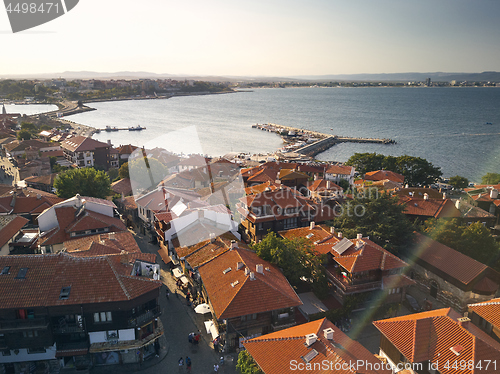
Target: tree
{"points": [[459, 182], [473, 240], [416, 170], [146, 172], [112, 174], [490, 178], [23, 135], [86, 182], [246, 364], [297, 259], [123, 171], [377, 215]]}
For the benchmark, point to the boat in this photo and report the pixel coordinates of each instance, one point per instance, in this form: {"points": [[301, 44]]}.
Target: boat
{"points": [[488, 123], [108, 128], [138, 128]]}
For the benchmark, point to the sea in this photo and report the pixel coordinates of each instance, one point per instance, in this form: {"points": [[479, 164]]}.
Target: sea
{"points": [[455, 128]]}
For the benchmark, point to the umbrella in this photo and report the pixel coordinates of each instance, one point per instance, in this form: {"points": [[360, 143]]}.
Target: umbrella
{"points": [[202, 309]]}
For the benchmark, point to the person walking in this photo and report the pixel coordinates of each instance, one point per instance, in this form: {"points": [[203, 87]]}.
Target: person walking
{"points": [[181, 364], [216, 368], [167, 294], [188, 364]]}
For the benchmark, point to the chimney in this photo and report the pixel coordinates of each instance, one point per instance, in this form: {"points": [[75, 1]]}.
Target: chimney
{"points": [[233, 245], [457, 204], [239, 265], [332, 230], [212, 237], [109, 141], [124, 257], [359, 236], [252, 276], [463, 321], [259, 268], [494, 193], [311, 225], [339, 234], [311, 339], [426, 196], [38, 196], [328, 333], [247, 271], [444, 196], [111, 236]]}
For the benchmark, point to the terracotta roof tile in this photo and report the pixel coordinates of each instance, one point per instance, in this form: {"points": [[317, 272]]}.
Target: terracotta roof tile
{"points": [[430, 335], [92, 280], [339, 169], [380, 175], [11, 228], [488, 310], [276, 353], [455, 264], [82, 144], [429, 208], [233, 294], [317, 234]]}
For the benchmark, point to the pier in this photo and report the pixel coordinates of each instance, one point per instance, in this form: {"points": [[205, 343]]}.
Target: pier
{"points": [[310, 143]]}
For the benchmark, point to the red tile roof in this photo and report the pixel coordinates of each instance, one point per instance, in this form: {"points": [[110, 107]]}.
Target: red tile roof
{"points": [[488, 310], [430, 335], [118, 241], [234, 294], [281, 352], [429, 208], [361, 255], [126, 149], [340, 169], [122, 186], [82, 144], [323, 185], [43, 179], [93, 280], [261, 188], [11, 228], [68, 223], [451, 262], [27, 204], [380, 175], [317, 234]]}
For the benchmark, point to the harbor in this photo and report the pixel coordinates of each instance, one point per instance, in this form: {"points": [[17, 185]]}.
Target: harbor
{"points": [[310, 143]]}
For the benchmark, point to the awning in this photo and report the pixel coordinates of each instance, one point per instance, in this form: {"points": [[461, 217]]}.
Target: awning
{"points": [[177, 273], [211, 329], [164, 255], [71, 352]]}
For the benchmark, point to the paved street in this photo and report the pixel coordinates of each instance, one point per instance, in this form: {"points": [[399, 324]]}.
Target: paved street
{"points": [[178, 321], [8, 174]]}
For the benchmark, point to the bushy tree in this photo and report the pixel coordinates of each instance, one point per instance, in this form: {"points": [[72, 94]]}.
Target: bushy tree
{"points": [[377, 215], [416, 170], [459, 182], [473, 240], [123, 171], [23, 135], [246, 364], [297, 259], [490, 178], [86, 182]]}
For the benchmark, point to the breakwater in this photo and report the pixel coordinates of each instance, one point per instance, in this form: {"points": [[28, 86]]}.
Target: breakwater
{"points": [[310, 143]]}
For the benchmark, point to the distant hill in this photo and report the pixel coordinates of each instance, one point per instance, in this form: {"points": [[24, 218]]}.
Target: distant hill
{"points": [[491, 76]]}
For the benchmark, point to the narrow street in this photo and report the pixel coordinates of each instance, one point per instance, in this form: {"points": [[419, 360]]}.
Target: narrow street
{"points": [[178, 321]]}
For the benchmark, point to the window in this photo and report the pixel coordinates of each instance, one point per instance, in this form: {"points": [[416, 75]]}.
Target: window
{"points": [[36, 350], [103, 317], [89, 162], [30, 334], [5, 271], [112, 335]]}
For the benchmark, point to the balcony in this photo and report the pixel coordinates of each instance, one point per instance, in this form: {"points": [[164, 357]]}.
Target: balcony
{"points": [[347, 287], [24, 324], [145, 317], [66, 328]]}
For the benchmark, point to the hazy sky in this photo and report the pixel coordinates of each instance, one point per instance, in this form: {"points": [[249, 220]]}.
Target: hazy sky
{"points": [[272, 38]]}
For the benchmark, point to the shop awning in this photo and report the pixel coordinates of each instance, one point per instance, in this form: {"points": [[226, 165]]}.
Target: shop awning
{"points": [[211, 329], [164, 255]]}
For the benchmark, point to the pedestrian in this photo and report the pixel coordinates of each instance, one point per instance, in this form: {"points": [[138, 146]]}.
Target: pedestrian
{"points": [[196, 339], [190, 337], [216, 368], [181, 363], [188, 364], [167, 294]]}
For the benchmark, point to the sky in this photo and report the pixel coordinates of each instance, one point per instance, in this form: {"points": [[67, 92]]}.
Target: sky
{"points": [[260, 37]]}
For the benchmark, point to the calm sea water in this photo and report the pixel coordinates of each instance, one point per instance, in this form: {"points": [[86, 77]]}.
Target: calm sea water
{"points": [[446, 126]]}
